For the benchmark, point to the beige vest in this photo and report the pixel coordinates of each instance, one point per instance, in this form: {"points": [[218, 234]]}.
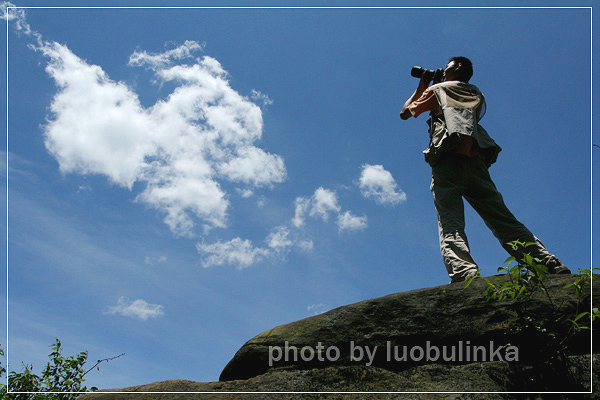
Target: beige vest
{"points": [[462, 107]]}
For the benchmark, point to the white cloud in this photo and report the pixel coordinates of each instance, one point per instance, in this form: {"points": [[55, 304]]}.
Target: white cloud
{"points": [[98, 125], [161, 60], [278, 239], [11, 13], [322, 204], [242, 253], [262, 201], [349, 222], [324, 201], [137, 309], [254, 166], [258, 96], [234, 252], [302, 206], [182, 148], [377, 183], [305, 245], [316, 309], [244, 193]]}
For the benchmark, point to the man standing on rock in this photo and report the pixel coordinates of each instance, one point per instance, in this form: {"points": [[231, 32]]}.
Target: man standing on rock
{"points": [[460, 152]]}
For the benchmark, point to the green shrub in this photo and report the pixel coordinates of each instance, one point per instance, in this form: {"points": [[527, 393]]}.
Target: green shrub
{"points": [[61, 379]]}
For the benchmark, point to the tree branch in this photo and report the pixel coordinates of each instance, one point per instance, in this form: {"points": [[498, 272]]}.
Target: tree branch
{"points": [[99, 361]]}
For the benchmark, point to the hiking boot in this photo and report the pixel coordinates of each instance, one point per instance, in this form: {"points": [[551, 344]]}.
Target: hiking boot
{"points": [[555, 266], [471, 275], [466, 276]]}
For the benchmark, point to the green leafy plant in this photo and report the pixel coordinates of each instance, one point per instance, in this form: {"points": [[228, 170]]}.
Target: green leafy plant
{"points": [[580, 283], [61, 379], [545, 336], [526, 277]]}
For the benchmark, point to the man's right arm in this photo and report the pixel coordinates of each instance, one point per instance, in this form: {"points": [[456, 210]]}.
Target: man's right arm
{"points": [[405, 113], [423, 84]]}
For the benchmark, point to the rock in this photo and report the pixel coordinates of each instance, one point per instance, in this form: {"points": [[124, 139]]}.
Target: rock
{"points": [[402, 330], [444, 317], [330, 383]]}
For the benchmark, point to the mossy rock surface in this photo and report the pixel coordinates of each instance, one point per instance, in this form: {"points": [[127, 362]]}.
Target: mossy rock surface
{"points": [[444, 317]]}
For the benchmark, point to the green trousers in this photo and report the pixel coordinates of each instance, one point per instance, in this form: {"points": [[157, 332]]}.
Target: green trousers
{"points": [[455, 177]]}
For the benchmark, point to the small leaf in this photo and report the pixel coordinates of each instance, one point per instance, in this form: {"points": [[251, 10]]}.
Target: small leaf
{"points": [[469, 281], [510, 259], [583, 314]]}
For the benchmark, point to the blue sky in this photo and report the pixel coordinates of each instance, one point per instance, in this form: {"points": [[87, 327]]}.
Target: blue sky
{"points": [[183, 179]]}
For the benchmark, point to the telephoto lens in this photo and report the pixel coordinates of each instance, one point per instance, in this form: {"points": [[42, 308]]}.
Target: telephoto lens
{"points": [[436, 75], [418, 72]]}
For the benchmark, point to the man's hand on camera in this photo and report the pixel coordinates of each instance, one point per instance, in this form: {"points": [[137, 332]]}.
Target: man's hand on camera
{"points": [[424, 82]]}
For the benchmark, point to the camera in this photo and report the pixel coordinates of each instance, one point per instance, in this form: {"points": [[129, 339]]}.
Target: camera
{"points": [[436, 76]]}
